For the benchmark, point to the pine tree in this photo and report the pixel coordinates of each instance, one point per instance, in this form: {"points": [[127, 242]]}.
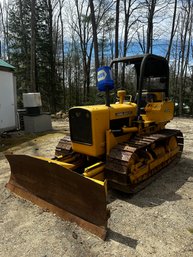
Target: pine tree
{"points": [[45, 76], [19, 40]]}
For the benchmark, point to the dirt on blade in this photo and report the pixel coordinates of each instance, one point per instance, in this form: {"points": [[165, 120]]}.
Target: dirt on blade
{"points": [[157, 221]]}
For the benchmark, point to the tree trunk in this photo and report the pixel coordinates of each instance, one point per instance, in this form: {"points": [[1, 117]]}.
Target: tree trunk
{"points": [[62, 48], [52, 60], [185, 27], [151, 10], [95, 39], [117, 42], [24, 46], [126, 32], [172, 32], [33, 48]]}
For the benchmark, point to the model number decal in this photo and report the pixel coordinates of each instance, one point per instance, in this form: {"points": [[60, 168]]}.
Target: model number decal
{"points": [[123, 113]]}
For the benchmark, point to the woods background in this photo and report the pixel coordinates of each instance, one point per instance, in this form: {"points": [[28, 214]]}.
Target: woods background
{"points": [[57, 45]]}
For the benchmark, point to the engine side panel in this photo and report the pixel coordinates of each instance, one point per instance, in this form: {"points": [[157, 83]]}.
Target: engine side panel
{"points": [[88, 125]]}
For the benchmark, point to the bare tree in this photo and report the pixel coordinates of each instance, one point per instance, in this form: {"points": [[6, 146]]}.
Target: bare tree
{"points": [[153, 13], [151, 4], [4, 16], [33, 47], [95, 38], [61, 2], [86, 43], [172, 31], [81, 30], [117, 40], [129, 21], [51, 57], [185, 41], [183, 46]]}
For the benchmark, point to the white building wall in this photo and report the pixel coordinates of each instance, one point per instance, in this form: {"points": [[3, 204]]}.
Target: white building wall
{"points": [[8, 106]]}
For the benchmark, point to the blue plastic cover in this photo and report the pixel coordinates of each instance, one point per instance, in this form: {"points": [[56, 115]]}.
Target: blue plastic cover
{"points": [[104, 78]]}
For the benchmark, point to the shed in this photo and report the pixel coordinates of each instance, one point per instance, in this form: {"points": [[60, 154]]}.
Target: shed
{"points": [[8, 99]]}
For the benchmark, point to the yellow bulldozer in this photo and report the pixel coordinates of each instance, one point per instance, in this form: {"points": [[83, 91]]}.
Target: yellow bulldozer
{"points": [[120, 146]]}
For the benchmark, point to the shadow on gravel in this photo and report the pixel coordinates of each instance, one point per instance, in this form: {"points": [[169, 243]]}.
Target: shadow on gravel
{"points": [[163, 188], [115, 236], [12, 139]]}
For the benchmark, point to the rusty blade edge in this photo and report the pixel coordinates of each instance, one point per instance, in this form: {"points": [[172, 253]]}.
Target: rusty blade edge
{"points": [[101, 232]]}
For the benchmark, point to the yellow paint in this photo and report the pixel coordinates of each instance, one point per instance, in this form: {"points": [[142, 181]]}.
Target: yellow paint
{"points": [[94, 170], [100, 123], [102, 183], [138, 170], [63, 164], [159, 112], [121, 94], [125, 110], [112, 141], [172, 143], [129, 129], [157, 115]]}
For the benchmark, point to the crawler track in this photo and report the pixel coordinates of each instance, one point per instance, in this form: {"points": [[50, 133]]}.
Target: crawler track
{"points": [[64, 147], [119, 163]]}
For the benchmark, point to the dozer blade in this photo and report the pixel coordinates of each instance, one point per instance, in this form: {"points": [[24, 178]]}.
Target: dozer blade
{"points": [[60, 190]]}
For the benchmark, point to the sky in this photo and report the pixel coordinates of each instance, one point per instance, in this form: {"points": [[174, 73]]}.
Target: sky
{"points": [[161, 32]]}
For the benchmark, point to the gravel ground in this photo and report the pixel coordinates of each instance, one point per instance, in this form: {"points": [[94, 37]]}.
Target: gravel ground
{"points": [[158, 221]]}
